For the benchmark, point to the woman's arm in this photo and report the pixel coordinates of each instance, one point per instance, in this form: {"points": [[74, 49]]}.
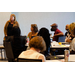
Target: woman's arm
{"points": [[29, 35], [5, 28], [59, 34]]}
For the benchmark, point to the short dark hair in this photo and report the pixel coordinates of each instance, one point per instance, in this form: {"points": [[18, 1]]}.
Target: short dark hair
{"points": [[16, 31]]}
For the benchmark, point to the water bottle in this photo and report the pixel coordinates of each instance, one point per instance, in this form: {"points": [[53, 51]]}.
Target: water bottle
{"points": [[27, 40]]}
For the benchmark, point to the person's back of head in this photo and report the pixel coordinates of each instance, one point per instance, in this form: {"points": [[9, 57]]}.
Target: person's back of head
{"points": [[37, 43], [16, 31], [44, 32]]}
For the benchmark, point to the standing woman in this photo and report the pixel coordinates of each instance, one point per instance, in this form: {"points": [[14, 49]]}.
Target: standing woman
{"points": [[34, 31], [9, 25]]}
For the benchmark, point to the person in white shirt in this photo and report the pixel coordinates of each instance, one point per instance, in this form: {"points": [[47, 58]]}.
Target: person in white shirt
{"points": [[67, 34], [37, 45], [72, 44]]}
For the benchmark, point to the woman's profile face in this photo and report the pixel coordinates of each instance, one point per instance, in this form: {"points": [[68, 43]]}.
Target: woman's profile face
{"points": [[32, 29], [12, 18]]}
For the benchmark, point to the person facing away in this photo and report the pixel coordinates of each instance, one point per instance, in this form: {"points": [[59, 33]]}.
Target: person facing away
{"points": [[44, 32], [9, 25], [36, 44], [57, 32], [17, 41], [34, 31]]}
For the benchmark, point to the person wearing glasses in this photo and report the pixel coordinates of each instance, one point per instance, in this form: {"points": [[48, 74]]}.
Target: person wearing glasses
{"points": [[58, 33]]}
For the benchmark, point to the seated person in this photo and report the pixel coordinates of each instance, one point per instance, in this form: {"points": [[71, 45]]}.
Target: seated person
{"points": [[17, 41], [36, 45], [44, 32], [34, 31], [67, 34], [72, 44], [67, 29], [57, 32]]}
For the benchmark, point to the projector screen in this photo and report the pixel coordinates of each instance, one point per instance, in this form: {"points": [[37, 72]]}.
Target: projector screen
{"points": [[42, 19]]}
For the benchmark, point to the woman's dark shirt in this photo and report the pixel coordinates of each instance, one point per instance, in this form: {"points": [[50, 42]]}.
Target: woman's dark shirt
{"points": [[9, 29]]}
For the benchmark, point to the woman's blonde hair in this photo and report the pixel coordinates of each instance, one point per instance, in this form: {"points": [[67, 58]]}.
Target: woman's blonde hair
{"points": [[34, 26], [72, 28], [38, 43], [14, 17]]}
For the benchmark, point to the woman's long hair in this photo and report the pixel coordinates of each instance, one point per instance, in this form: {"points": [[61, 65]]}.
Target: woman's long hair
{"points": [[44, 32]]}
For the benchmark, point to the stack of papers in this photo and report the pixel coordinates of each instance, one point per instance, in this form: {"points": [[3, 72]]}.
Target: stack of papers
{"points": [[56, 44]]}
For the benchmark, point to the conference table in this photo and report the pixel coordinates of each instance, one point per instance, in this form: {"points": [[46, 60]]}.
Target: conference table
{"points": [[64, 45], [71, 58], [57, 47], [1, 48], [52, 47]]}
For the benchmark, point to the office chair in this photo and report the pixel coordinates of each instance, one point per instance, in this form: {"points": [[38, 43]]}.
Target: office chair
{"points": [[28, 60], [9, 52]]}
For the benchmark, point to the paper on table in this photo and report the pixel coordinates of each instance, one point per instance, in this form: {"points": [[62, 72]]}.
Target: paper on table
{"points": [[54, 44], [67, 45]]}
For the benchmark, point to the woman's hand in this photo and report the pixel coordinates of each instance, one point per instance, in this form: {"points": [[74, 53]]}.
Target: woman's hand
{"points": [[5, 35], [68, 40]]}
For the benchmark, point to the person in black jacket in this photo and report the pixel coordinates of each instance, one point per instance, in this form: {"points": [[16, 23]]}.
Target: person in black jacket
{"points": [[44, 32], [17, 41]]}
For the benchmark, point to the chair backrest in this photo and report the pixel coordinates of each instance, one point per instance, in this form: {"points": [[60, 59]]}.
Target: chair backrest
{"points": [[23, 37], [28, 60], [8, 49], [61, 39]]}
